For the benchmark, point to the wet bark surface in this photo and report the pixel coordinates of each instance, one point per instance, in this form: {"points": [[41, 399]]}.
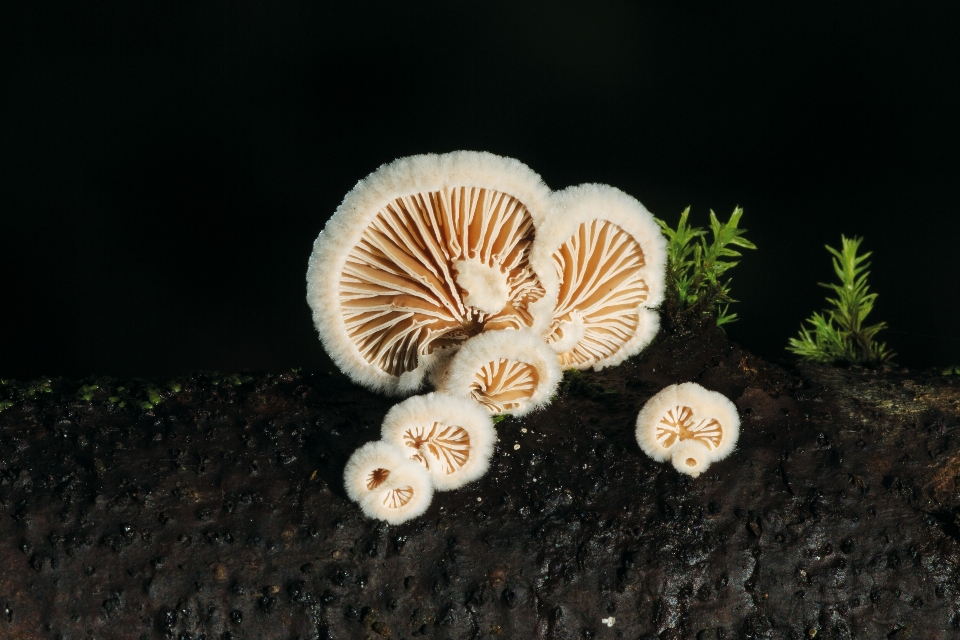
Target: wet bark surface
{"points": [[213, 507]]}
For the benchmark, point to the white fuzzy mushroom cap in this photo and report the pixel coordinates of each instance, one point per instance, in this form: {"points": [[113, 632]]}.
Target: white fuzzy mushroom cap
{"points": [[452, 437], [386, 483], [505, 371], [603, 255], [422, 254], [687, 412], [691, 457]]}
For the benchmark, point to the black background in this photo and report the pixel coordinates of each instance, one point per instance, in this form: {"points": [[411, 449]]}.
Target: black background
{"points": [[165, 167]]}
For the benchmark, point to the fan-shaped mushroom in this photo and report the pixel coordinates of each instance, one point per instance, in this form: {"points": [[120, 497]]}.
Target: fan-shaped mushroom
{"points": [[451, 437], [604, 255], [386, 484], [423, 254], [505, 371], [684, 413]]}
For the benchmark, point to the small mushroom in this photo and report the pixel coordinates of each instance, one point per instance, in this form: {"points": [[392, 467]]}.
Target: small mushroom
{"points": [[386, 484], [691, 457], [684, 413], [423, 254], [506, 371], [603, 255], [451, 437]]}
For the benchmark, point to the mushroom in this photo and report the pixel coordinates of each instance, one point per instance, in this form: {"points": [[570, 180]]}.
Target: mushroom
{"points": [[386, 484], [688, 413], [604, 255], [506, 371], [691, 457], [423, 254], [451, 437]]}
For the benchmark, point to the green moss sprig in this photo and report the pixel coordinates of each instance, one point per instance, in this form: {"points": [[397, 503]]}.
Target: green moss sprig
{"points": [[696, 288], [839, 334]]}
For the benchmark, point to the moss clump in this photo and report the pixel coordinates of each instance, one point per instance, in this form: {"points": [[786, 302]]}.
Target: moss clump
{"points": [[696, 288], [838, 335]]}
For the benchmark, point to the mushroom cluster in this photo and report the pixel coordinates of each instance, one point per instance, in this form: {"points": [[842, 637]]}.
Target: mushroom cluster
{"points": [[688, 425], [465, 270], [433, 442]]}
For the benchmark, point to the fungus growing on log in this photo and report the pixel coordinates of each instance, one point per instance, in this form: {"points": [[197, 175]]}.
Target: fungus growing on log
{"points": [[687, 413], [602, 253], [386, 484], [423, 254], [451, 437], [505, 371]]}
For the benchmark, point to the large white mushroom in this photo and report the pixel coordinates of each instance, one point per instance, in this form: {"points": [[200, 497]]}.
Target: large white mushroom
{"points": [[451, 437], [423, 254], [604, 255], [505, 371], [682, 414], [386, 483]]}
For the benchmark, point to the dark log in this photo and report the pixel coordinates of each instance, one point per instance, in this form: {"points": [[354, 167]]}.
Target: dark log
{"points": [[218, 511]]}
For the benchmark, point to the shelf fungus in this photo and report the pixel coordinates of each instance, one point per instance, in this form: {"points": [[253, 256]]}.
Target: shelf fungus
{"points": [[689, 425], [451, 437], [506, 371], [602, 254], [423, 254], [386, 483]]}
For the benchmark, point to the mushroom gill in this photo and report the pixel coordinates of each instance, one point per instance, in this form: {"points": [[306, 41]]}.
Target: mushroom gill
{"points": [[423, 254], [399, 497], [679, 424], [407, 286], [447, 446], [376, 478], [502, 385], [602, 287], [605, 258]]}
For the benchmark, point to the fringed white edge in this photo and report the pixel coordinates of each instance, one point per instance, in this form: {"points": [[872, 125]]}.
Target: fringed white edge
{"points": [[413, 174], [687, 451], [571, 207], [403, 473], [424, 411], [705, 404], [520, 346]]}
